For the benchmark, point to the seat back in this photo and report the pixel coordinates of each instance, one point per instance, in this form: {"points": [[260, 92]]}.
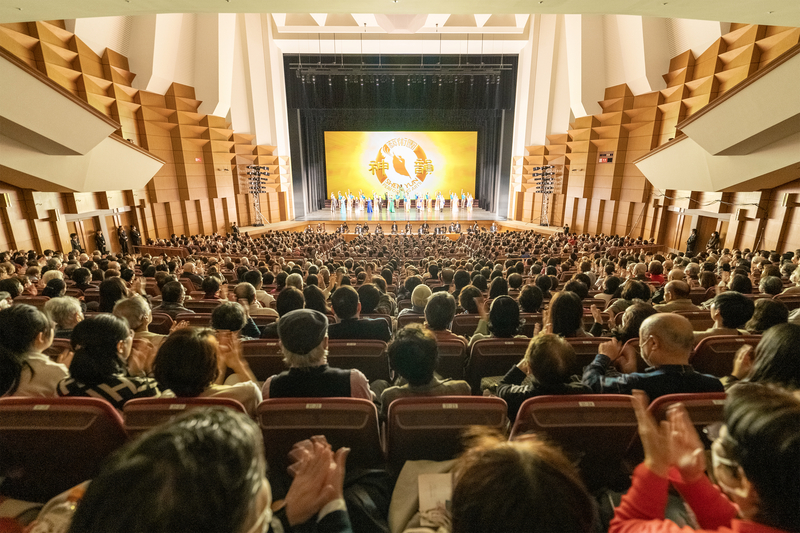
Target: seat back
{"points": [[264, 320], [383, 317], [431, 427], [368, 356], [586, 348], [452, 356], [202, 306], [48, 445], [58, 347], [142, 414], [704, 409], [161, 324], [492, 357], [791, 301], [594, 430], [409, 318], [531, 319], [701, 320], [350, 422], [264, 357], [36, 301], [198, 320], [715, 355], [465, 325]]}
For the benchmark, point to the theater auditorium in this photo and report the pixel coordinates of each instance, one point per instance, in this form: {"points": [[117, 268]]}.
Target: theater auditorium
{"points": [[399, 266]]}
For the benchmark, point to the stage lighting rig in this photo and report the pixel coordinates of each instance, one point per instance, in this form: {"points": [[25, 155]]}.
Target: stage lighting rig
{"points": [[546, 179], [257, 179], [446, 69]]}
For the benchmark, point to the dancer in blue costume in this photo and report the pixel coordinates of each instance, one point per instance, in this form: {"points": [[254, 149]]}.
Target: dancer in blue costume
{"points": [[390, 201], [369, 206]]}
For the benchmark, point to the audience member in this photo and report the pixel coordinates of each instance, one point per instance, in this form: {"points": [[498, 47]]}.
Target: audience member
{"points": [[304, 343], [548, 362], [767, 313], [289, 299], [173, 295], [25, 332], [419, 298], [136, 313], [347, 308], [65, 313], [205, 471], [439, 314], [234, 317], [665, 342], [192, 363], [414, 356], [502, 320], [730, 311], [677, 298], [566, 315], [106, 365]]}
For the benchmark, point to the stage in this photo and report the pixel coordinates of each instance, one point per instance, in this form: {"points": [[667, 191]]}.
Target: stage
{"points": [[401, 215]]}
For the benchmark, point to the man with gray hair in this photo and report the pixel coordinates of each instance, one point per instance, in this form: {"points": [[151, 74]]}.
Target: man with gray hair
{"points": [[666, 341], [303, 337], [295, 280], [66, 312], [136, 312], [677, 296]]}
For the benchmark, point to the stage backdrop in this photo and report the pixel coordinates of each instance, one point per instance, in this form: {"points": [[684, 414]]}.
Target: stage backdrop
{"points": [[416, 162]]}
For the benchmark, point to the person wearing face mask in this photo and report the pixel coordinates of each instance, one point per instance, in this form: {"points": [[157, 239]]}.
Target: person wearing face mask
{"points": [[755, 457], [666, 342], [205, 471]]}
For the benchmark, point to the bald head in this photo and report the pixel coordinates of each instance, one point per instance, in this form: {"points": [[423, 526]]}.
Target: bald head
{"points": [[673, 339], [678, 290], [676, 274]]}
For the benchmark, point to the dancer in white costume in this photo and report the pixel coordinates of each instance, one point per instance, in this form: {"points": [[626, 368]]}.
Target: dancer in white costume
{"points": [[333, 202]]}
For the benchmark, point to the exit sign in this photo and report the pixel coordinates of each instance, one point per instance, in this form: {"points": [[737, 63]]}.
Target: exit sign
{"points": [[606, 157]]}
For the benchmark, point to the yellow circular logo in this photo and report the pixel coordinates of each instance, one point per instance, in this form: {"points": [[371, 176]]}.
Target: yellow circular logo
{"points": [[401, 164]]}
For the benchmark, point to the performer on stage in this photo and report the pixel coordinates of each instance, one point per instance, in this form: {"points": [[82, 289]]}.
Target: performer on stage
{"points": [[469, 201], [420, 202], [369, 206], [333, 202], [390, 201], [463, 199]]}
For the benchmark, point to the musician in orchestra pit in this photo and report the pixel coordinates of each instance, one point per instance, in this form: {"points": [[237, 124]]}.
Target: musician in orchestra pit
{"points": [[475, 228], [379, 230], [394, 228], [458, 227], [419, 231], [365, 228], [494, 227], [408, 228], [308, 229]]}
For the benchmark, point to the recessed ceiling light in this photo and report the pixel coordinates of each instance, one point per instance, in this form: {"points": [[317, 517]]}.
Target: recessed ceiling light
{"points": [[770, 12]]}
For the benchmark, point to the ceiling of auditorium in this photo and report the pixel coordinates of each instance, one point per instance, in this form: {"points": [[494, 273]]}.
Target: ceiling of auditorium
{"points": [[771, 12]]}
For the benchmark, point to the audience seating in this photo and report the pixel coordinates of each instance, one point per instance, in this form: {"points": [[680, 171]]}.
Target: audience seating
{"points": [[465, 324], [48, 445], [200, 320], [161, 324], [57, 348], [350, 422], [263, 320], [698, 296], [452, 356], [791, 301], [91, 295], [75, 293], [368, 356], [410, 318], [264, 357], [701, 320], [187, 284], [704, 409], [531, 319], [492, 357], [586, 348], [202, 306], [36, 301], [715, 355], [141, 414], [404, 304], [595, 430], [431, 427], [380, 316]]}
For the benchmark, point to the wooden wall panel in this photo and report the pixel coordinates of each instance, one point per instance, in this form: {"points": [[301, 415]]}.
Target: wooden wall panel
{"points": [[614, 197]]}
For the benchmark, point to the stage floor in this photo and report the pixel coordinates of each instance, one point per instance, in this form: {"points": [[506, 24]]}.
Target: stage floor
{"points": [[413, 215]]}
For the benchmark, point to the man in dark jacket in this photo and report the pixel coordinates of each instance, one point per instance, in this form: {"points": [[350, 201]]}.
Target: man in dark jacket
{"points": [[100, 242], [123, 240], [347, 308]]}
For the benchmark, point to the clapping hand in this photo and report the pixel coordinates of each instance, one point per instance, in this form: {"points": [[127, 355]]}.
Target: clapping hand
{"points": [[743, 362]]}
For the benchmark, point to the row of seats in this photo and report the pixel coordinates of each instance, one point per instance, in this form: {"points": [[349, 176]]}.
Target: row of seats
{"points": [[48, 445], [485, 359]]}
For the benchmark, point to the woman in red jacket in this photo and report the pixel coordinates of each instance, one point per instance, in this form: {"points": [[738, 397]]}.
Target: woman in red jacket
{"points": [[755, 460]]}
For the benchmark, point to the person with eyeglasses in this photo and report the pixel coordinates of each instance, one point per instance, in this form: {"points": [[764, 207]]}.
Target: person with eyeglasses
{"points": [[755, 458], [666, 342]]}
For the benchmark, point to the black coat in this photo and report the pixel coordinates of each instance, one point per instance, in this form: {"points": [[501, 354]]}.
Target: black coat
{"points": [[364, 328], [100, 242]]}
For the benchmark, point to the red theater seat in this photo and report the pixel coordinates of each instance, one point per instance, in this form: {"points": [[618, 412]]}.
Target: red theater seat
{"points": [[48, 445], [431, 427], [264, 357], [350, 422], [492, 357], [715, 355], [368, 356], [142, 414], [594, 430]]}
